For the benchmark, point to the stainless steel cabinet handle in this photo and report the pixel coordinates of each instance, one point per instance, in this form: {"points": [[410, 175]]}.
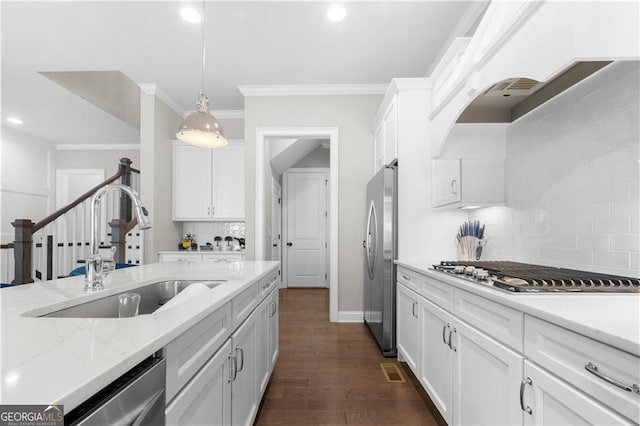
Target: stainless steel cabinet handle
{"points": [[444, 339], [233, 372], [213, 210], [406, 278], [239, 348], [451, 331], [454, 187], [275, 307], [593, 369], [526, 381]]}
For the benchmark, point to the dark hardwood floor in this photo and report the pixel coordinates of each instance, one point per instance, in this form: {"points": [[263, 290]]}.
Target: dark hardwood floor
{"points": [[329, 373]]}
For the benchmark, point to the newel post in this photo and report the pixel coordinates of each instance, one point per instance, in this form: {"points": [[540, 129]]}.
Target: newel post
{"points": [[125, 202], [119, 239], [22, 247]]}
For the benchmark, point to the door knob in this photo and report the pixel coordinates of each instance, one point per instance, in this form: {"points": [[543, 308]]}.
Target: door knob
{"points": [[275, 245], [289, 244]]}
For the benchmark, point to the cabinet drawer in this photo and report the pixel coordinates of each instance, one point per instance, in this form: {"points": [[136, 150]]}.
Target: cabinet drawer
{"points": [[438, 292], [567, 354], [231, 257], [496, 320], [268, 283], [187, 353], [186, 257], [409, 278], [243, 304]]}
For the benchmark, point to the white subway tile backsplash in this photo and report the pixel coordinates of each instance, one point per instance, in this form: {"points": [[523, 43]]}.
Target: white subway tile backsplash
{"points": [[572, 179], [629, 242], [612, 259]]}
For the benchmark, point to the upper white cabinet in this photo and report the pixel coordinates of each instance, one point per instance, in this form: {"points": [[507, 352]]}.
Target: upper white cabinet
{"points": [[208, 184], [467, 183], [396, 118]]}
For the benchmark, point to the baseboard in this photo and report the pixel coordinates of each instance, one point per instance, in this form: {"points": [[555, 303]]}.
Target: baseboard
{"points": [[350, 316]]}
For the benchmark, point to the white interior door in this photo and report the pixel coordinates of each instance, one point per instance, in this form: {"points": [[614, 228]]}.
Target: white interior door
{"points": [[306, 219]]}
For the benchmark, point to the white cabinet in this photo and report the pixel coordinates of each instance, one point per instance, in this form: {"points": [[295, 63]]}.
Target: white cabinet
{"points": [[208, 184], [244, 393], [583, 365], [196, 256], [408, 327], [385, 135], [400, 114], [218, 370], [486, 380], [267, 338], [206, 399], [547, 400], [471, 378], [467, 183], [436, 357]]}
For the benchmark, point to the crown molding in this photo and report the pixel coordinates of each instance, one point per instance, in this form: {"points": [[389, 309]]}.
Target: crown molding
{"points": [[313, 89], [154, 89], [97, 146]]}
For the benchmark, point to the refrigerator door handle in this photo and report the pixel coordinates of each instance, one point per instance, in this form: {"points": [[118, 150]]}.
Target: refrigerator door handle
{"points": [[372, 226]]}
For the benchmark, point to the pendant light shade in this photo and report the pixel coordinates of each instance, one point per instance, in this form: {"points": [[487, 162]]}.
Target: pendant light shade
{"points": [[201, 128]]}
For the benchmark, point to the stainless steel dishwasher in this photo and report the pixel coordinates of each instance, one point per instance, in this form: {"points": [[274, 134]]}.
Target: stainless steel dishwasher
{"points": [[135, 398]]}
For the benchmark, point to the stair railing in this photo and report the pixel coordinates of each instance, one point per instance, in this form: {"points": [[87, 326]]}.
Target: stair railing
{"points": [[25, 229]]}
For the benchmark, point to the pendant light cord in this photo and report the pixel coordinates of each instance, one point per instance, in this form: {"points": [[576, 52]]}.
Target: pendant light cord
{"points": [[203, 46]]}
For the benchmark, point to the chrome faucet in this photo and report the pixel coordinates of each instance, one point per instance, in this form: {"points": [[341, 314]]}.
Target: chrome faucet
{"points": [[96, 268]]}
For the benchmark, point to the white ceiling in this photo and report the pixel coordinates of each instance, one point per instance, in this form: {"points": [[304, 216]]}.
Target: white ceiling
{"points": [[248, 43]]}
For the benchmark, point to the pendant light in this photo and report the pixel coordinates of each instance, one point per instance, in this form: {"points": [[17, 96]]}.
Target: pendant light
{"points": [[201, 128]]}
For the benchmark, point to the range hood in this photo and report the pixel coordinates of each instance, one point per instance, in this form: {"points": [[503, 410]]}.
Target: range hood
{"points": [[510, 99]]}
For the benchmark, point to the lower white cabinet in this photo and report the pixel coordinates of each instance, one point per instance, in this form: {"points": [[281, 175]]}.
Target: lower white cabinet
{"points": [[470, 377], [206, 399], [211, 386], [436, 357], [486, 380], [244, 389], [548, 400], [267, 339], [408, 327]]}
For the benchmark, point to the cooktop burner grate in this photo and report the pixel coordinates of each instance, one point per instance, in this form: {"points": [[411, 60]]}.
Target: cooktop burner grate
{"points": [[522, 277]]}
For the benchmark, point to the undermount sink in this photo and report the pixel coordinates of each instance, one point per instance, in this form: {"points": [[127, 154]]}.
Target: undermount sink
{"points": [[152, 296]]}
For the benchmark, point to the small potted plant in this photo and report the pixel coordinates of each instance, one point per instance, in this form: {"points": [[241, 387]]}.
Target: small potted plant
{"points": [[217, 239], [228, 240]]}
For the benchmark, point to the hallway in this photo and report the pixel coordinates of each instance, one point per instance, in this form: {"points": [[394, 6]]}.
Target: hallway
{"points": [[329, 373]]}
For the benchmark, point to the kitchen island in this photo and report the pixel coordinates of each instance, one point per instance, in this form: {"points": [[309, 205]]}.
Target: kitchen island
{"points": [[67, 360]]}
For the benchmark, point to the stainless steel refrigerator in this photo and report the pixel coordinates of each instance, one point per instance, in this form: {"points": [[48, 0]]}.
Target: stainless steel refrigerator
{"points": [[380, 247]]}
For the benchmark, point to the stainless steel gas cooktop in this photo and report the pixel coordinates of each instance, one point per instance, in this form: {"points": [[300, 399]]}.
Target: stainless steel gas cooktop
{"points": [[526, 278]]}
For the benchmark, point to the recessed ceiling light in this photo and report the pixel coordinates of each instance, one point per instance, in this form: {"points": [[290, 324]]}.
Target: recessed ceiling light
{"points": [[189, 14], [336, 13], [14, 120]]}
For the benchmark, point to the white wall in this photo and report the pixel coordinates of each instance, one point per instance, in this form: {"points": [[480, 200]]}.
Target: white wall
{"points": [[106, 159], [353, 115], [158, 124], [572, 180], [27, 180]]}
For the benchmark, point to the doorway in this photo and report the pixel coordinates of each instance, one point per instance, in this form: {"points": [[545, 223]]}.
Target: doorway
{"points": [[306, 227], [263, 190]]}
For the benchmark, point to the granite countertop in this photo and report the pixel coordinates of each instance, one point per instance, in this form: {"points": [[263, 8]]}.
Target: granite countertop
{"points": [[613, 319], [66, 360]]}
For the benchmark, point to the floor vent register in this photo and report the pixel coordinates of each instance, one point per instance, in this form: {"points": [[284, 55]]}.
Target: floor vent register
{"points": [[391, 372]]}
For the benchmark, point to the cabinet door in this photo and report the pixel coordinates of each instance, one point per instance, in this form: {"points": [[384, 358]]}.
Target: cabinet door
{"points": [[244, 401], [408, 327], [391, 131], [274, 334], [378, 148], [487, 378], [436, 357], [552, 401], [445, 182], [206, 399], [191, 182], [228, 183], [263, 341]]}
